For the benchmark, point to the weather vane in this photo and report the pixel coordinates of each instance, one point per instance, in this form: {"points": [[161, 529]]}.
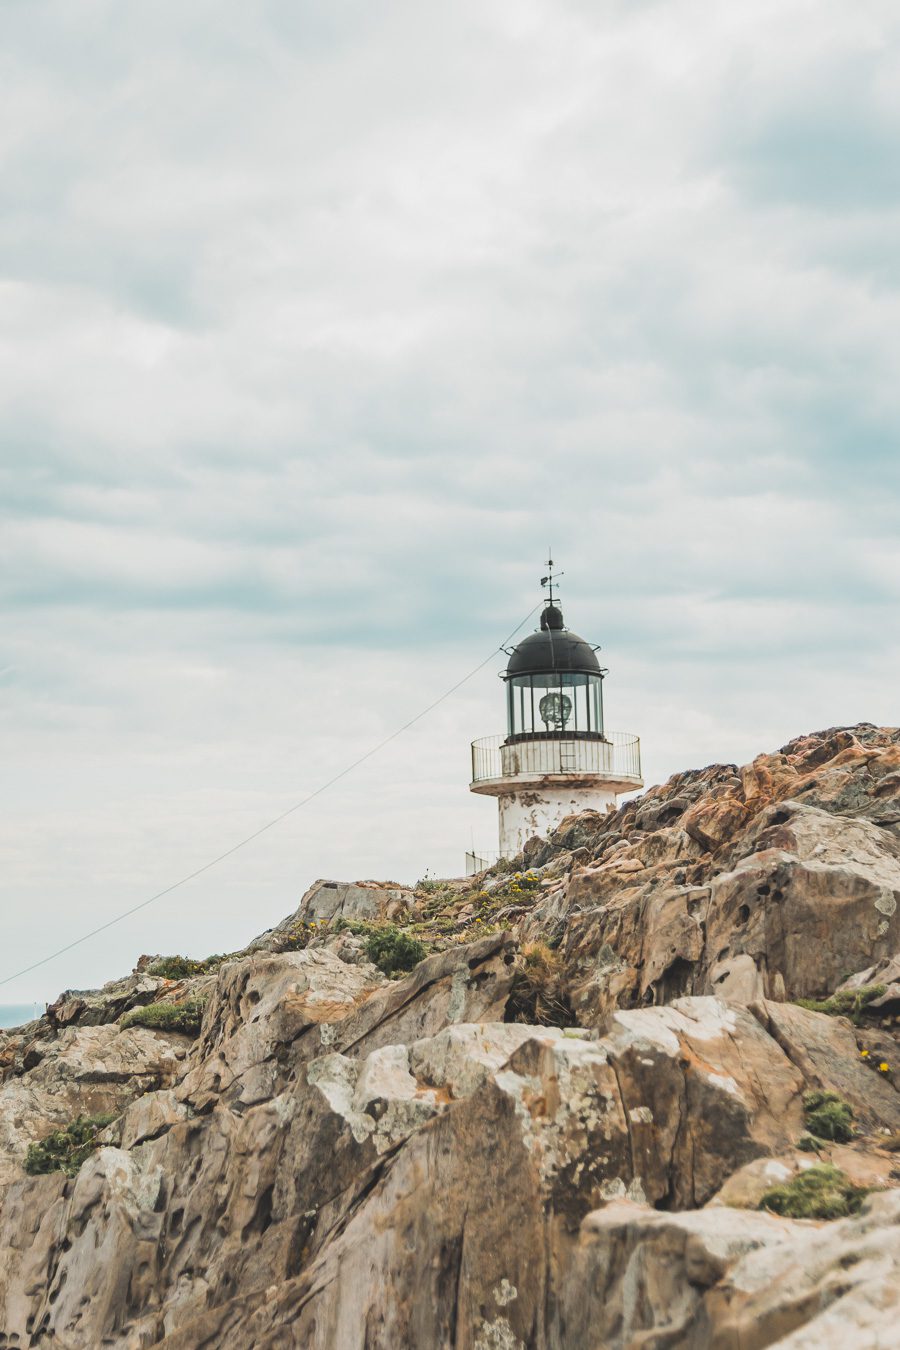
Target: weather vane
{"points": [[549, 579]]}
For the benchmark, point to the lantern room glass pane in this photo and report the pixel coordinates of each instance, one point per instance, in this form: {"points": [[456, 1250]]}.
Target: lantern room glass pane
{"points": [[555, 704]]}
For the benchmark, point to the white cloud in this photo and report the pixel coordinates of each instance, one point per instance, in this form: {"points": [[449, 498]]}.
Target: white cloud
{"points": [[319, 323]]}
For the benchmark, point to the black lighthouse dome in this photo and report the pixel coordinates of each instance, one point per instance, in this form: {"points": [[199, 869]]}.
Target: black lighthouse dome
{"points": [[554, 648]]}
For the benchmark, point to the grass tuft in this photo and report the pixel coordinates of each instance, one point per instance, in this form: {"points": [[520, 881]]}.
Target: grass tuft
{"points": [[846, 1003], [828, 1116], [821, 1192], [537, 992]]}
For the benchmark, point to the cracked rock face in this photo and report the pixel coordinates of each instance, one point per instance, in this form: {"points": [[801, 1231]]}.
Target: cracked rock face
{"points": [[341, 1161]]}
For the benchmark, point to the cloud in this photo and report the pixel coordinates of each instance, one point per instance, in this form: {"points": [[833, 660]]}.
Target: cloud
{"points": [[320, 323]]}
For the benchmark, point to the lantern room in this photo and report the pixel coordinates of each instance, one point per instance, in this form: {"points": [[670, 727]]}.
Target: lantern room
{"points": [[554, 684]]}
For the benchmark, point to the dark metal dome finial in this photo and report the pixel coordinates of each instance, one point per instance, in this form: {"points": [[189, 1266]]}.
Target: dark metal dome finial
{"points": [[552, 617]]}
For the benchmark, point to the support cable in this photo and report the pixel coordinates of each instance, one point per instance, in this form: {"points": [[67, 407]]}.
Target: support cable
{"points": [[276, 820]]}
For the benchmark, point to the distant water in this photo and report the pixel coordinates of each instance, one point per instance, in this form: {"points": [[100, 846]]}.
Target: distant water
{"points": [[14, 1014]]}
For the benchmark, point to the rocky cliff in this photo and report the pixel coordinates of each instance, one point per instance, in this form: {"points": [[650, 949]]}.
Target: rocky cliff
{"points": [[637, 1091]]}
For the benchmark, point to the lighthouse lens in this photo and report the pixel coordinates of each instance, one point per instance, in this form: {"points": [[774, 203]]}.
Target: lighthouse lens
{"points": [[555, 710]]}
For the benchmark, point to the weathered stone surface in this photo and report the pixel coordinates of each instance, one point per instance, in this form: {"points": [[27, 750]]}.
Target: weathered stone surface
{"points": [[346, 1162], [719, 1278], [261, 1007], [464, 1056], [147, 1118], [697, 1067], [659, 1108], [642, 1278], [84, 1071], [566, 1123], [833, 1287], [378, 1098], [94, 1007], [462, 984]]}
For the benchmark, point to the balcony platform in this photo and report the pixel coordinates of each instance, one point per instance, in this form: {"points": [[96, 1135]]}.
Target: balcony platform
{"points": [[611, 763]]}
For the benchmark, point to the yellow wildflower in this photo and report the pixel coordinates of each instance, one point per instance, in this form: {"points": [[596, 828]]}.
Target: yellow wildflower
{"points": [[864, 1053], [884, 1067]]}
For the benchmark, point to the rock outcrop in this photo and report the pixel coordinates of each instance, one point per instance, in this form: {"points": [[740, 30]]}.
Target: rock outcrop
{"points": [[555, 1131], [778, 879]]}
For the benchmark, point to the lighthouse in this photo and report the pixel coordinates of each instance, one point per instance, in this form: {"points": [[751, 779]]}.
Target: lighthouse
{"points": [[557, 756]]}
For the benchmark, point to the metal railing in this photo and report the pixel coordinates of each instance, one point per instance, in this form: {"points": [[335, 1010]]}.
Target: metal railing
{"points": [[477, 862], [617, 755]]}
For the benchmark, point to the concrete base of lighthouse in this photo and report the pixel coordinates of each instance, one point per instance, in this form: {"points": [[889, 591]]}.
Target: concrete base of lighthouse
{"points": [[530, 811]]}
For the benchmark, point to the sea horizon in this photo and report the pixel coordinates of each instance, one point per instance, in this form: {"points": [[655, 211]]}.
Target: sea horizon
{"points": [[15, 1014]]}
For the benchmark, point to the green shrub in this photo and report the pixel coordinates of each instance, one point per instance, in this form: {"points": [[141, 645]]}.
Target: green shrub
{"points": [[183, 967], [828, 1116], [394, 951], [65, 1150], [182, 1017], [846, 1003], [821, 1192], [175, 968]]}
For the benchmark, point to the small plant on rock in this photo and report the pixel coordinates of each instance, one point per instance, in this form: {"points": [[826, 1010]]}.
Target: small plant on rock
{"points": [[184, 1018], [393, 951], [183, 967], [877, 1063], [820, 1192], [828, 1116], [301, 935], [501, 867], [65, 1150], [845, 1003], [537, 993]]}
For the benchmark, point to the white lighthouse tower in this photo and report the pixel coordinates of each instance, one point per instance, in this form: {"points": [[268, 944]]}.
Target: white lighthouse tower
{"points": [[557, 756]]}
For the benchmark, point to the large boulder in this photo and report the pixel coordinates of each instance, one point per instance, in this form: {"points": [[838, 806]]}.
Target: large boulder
{"points": [[326, 901], [719, 1278]]}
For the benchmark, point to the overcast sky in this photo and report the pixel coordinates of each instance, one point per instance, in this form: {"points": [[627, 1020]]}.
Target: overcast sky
{"points": [[321, 319]]}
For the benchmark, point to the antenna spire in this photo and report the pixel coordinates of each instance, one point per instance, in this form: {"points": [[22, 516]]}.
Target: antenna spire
{"points": [[550, 578]]}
